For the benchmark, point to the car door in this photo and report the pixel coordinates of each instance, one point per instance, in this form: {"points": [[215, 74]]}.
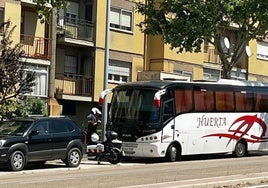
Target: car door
{"points": [[39, 142], [61, 136]]}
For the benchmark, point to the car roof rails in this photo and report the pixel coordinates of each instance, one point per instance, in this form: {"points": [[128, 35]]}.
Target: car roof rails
{"points": [[35, 115]]}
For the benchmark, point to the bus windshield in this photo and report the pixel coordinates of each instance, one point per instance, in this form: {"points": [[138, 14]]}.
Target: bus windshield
{"points": [[134, 107]]}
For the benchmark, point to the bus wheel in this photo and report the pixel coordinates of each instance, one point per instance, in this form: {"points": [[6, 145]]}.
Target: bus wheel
{"points": [[240, 149], [172, 153]]}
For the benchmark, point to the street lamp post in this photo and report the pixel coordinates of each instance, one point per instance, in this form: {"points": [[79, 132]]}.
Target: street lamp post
{"points": [[106, 64]]}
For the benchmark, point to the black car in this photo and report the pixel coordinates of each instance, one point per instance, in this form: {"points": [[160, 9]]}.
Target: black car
{"points": [[40, 139]]}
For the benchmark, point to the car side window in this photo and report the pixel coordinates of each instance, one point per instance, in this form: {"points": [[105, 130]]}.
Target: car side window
{"points": [[58, 126], [42, 127], [69, 125]]}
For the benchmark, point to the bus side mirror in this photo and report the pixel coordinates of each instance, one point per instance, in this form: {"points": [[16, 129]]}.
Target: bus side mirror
{"points": [[172, 126], [103, 95], [157, 97]]}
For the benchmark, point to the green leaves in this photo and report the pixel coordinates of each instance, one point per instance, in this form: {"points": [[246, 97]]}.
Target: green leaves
{"points": [[14, 80], [44, 8], [186, 24], [29, 106]]}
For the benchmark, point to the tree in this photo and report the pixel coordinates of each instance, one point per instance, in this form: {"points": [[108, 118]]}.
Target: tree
{"points": [[44, 8], [31, 106], [15, 81], [185, 24]]}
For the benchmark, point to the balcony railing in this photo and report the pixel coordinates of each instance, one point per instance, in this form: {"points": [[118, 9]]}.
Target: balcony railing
{"points": [[77, 28], [210, 55], [73, 84], [36, 47]]}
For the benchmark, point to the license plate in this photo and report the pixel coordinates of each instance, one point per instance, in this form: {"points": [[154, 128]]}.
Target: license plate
{"points": [[128, 149]]}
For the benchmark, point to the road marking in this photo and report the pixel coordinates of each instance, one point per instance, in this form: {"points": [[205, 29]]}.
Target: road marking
{"points": [[258, 186], [220, 181]]}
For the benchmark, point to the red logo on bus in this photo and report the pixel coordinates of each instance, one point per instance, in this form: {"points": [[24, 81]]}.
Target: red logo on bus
{"points": [[241, 128]]}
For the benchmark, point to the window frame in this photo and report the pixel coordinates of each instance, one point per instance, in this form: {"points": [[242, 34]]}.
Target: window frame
{"points": [[120, 26], [119, 74], [40, 89], [261, 47], [71, 69], [2, 17]]}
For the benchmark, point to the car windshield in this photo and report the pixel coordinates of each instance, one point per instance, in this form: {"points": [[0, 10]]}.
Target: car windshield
{"points": [[14, 127]]}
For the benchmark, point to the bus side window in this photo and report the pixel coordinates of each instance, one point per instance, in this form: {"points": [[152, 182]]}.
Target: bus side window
{"points": [[264, 103], [183, 100], [224, 101], [243, 101], [203, 100], [258, 102]]}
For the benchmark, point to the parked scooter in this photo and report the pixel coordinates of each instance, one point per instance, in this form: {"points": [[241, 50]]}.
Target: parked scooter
{"points": [[109, 150]]}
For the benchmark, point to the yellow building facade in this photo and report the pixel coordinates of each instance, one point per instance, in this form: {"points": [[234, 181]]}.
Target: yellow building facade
{"points": [[80, 53], [35, 39]]}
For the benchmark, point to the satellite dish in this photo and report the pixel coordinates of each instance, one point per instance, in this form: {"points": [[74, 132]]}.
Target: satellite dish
{"points": [[226, 42], [248, 51]]}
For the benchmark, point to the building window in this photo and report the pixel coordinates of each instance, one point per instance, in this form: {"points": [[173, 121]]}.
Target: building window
{"points": [[72, 12], [262, 50], [185, 74], [211, 74], [238, 74], [119, 72], [1, 18], [41, 79], [121, 19], [71, 18], [70, 66]]}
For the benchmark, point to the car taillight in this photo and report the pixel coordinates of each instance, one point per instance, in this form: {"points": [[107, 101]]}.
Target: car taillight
{"points": [[85, 138]]}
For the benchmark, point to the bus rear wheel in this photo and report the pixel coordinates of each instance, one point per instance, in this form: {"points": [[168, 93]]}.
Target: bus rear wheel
{"points": [[240, 149], [172, 153]]}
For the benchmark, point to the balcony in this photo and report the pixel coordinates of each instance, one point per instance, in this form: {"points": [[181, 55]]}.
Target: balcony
{"points": [[73, 86], [76, 30], [36, 47], [210, 55]]}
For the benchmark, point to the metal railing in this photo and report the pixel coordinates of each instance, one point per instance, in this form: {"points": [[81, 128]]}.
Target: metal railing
{"points": [[36, 47], [74, 84], [210, 55], [77, 28]]}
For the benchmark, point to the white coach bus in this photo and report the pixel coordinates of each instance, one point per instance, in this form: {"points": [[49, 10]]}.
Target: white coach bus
{"points": [[174, 118]]}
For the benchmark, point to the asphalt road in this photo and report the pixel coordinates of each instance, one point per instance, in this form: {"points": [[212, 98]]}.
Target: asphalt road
{"points": [[196, 171]]}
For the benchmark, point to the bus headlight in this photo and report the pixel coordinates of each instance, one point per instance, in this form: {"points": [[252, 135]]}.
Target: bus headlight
{"points": [[149, 138]]}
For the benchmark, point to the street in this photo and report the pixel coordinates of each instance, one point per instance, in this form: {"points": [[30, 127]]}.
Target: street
{"points": [[156, 173]]}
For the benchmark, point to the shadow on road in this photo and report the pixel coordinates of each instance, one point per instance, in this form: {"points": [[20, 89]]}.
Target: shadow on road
{"points": [[54, 165], [184, 158]]}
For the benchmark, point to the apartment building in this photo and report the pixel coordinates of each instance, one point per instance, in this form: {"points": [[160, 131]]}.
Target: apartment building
{"points": [[35, 39], [80, 52], [73, 69], [161, 62]]}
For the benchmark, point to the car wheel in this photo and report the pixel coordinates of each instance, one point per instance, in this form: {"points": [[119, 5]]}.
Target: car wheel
{"points": [[171, 155], [240, 149], [73, 158], [115, 156], [16, 161]]}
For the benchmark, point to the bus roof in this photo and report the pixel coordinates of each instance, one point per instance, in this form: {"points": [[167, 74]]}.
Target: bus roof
{"points": [[161, 84]]}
